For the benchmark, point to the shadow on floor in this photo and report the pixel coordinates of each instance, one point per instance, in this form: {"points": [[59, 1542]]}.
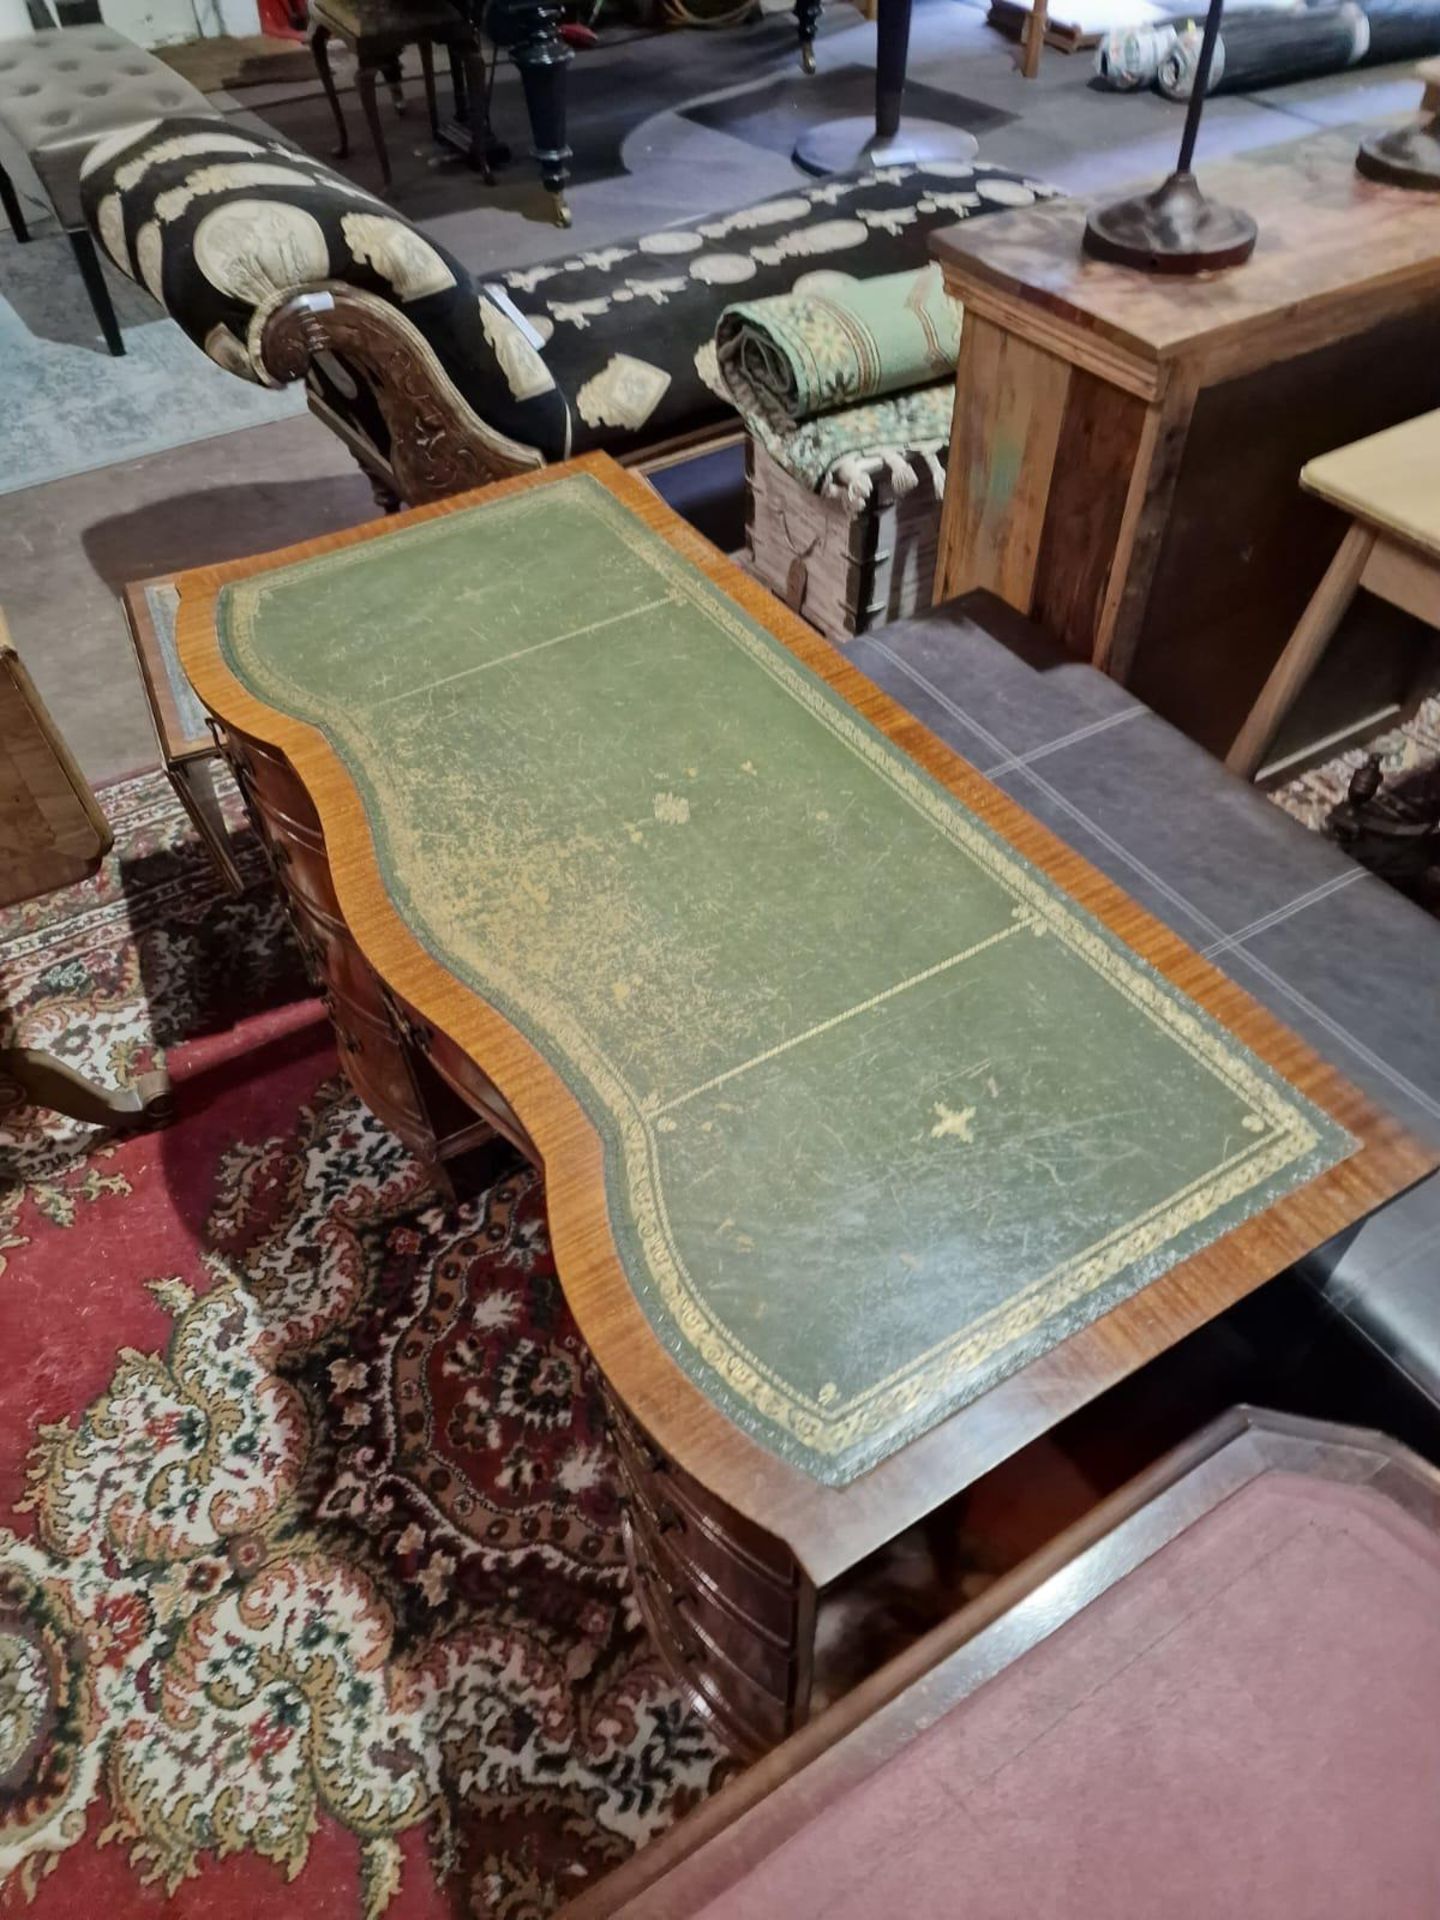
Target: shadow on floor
{"points": [[224, 523], [41, 283]]}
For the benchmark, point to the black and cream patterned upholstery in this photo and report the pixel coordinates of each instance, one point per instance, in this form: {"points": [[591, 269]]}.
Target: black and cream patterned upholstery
{"points": [[222, 226]]}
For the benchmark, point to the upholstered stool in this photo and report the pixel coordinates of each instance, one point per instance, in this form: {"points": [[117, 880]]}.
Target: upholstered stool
{"points": [[377, 33], [62, 92]]}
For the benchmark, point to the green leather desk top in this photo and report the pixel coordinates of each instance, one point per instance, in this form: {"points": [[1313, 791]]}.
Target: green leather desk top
{"points": [[885, 1114]]}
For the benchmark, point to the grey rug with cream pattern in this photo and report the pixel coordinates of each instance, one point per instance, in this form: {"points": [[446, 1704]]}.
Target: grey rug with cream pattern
{"points": [[67, 405]]}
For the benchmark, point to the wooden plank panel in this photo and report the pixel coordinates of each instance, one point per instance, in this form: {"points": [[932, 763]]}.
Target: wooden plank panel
{"points": [[1009, 405], [1099, 446]]}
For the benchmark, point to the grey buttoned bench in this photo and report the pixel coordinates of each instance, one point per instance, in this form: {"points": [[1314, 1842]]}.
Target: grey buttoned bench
{"points": [[1343, 959], [62, 91]]}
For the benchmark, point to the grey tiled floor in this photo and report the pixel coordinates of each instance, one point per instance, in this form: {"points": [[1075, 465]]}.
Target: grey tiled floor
{"points": [[1343, 959]]}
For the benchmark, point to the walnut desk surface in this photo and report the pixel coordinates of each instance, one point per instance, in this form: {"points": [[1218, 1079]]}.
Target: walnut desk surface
{"points": [[1126, 445], [872, 1147]]}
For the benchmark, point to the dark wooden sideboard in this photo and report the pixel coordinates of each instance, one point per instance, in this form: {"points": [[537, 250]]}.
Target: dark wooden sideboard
{"points": [[1127, 447], [732, 1545]]}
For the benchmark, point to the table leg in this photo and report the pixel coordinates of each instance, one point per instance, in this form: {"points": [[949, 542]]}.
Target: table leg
{"points": [[892, 54], [807, 20], [320, 50], [542, 57], [1034, 38], [365, 87], [194, 784], [427, 70], [1313, 633], [394, 79]]}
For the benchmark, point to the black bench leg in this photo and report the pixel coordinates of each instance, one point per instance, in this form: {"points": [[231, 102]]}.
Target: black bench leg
{"points": [[11, 202], [93, 274]]}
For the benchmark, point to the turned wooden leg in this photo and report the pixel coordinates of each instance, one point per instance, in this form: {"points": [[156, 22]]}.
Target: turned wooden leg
{"points": [[1302, 652], [320, 49], [48, 1082], [542, 57], [365, 87], [807, 21]]}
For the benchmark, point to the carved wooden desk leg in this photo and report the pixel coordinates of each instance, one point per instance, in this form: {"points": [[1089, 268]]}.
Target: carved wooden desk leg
{"points": [[542, 57], [320, 49]]}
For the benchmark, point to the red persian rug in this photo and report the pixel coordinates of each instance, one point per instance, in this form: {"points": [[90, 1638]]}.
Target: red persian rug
{"points": [[311, 1590]]}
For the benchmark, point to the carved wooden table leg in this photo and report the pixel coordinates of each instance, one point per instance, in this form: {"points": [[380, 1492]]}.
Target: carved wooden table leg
{"points": [[365, 77], [542, 57], [320, 49], [46, 1081], [807, 19]]}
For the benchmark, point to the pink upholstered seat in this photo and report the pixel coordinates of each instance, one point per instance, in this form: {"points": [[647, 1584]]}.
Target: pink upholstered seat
{"points": [[1247, 1728]]}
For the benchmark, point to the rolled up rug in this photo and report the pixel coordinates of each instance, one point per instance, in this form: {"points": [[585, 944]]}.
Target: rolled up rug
{"points": [[833, 342], [904, 436], [1266, 47]]}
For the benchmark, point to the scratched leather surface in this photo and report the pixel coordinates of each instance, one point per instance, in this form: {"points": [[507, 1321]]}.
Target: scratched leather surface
{"points": [[885, 1115]]}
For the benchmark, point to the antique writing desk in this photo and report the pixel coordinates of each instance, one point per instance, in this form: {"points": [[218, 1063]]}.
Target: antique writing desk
{"points": [[872, 1144], [1126, 444]]}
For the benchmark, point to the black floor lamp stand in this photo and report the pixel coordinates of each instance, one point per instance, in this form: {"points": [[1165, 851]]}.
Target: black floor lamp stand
{"points": [[839, 146]]}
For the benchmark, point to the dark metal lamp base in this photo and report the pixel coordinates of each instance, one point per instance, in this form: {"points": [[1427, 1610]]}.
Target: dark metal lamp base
{"points": [[1175, 229], [840, 146], [1404, 157]]}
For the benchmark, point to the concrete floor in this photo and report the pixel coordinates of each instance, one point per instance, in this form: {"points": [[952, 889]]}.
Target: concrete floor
{"points": [[67, 547]]}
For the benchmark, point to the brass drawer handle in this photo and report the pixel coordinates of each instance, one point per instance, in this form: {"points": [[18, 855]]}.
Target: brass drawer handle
{"points": [[668, 1520]]}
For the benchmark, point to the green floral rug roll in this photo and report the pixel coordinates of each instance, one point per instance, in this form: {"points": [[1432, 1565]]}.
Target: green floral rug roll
{"points": [[834, 341], [842, 379]]}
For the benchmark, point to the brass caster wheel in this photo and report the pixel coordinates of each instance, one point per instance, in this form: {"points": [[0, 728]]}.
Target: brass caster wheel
{"points": [[807, 56], [562, 210]]}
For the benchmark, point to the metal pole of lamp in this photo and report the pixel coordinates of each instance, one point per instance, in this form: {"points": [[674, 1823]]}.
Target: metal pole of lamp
{"points": [[838, 146], [1176, 229]]}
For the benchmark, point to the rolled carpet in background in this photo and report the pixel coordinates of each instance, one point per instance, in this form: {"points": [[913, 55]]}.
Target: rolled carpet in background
{"points": [[1271, 46]]}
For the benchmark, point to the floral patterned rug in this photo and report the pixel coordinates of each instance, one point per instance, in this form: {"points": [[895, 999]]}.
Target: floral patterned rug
{"points": [[310, 1570]]}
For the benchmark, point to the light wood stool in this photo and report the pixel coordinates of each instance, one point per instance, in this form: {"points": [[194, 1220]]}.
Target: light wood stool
{"points": [[1389, 484]]}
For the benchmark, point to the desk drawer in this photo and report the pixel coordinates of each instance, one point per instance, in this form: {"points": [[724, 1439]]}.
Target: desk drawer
{"points": [[469, 1082], [655, 1479], [750, 1717]]}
